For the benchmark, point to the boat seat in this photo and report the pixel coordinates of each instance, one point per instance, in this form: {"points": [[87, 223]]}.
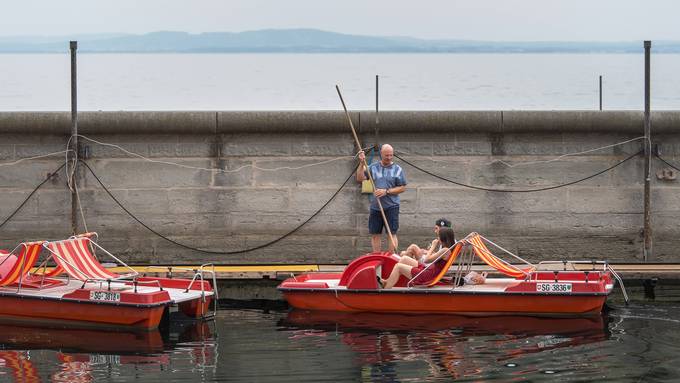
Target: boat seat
{"points": [[328, 282], [16, 265], [33, 281], [435, 281], [385, 260], [487, 257], [364, 277], [74, 256], [7, 262]]}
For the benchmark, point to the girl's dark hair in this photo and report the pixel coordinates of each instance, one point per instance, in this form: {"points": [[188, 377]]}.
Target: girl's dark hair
{"points": [[447, 237]]}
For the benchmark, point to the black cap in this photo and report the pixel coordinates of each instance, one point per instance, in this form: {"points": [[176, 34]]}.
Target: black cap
{"points": [[443, 222]]}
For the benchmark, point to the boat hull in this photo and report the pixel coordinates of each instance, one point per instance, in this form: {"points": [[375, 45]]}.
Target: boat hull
{"points": [[430, 302], [138, 305], [562, 292], [79, 313]]}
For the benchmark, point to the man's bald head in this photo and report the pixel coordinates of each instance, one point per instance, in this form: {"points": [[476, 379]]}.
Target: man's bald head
{"points": [[386, 153]]}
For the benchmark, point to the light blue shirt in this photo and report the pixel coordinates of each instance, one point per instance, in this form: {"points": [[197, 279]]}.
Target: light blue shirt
{"points": [[386, 177]]}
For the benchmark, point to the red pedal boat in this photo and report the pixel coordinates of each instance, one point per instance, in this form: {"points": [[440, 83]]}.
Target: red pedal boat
{"points": [[80, 292], [549, 288]]}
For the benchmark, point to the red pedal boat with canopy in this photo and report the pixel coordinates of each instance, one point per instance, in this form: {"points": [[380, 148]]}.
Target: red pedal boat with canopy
{"points": [[79, 291], [561, 288]]}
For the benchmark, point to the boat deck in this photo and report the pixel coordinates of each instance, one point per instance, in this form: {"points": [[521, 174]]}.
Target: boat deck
{"points": [[491, 285], [57, 292]]}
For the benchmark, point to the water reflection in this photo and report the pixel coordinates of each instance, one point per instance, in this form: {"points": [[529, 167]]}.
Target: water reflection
{"points": [[393, 347], [85, 355], [638, 342]]}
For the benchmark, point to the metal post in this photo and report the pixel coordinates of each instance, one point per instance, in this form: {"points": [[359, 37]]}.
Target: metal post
{"points": [[600, 92], [377, 119], [647, 254], [74, 137]]}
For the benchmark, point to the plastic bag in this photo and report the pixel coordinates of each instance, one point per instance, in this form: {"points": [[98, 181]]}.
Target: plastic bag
{"points": [[366, 187], [475, 278]]}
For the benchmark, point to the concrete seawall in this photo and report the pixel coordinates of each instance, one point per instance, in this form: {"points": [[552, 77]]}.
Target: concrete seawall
{"points": [[245, 205]]}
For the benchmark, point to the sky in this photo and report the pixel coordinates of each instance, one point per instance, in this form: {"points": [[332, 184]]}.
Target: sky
{"points": [[495, 20]]}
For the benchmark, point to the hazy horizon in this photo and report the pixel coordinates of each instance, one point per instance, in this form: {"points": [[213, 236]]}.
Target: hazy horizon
{"points": [[479, 20], [114, 34], [306, 41]]}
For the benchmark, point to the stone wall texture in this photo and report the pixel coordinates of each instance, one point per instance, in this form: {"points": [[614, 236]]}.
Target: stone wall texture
{"points": [[243, 203]]}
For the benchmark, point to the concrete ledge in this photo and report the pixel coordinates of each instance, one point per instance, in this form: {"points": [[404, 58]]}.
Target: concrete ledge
{"points": [[285, 122], [109, 122], [433, 121], [575, 121], [35, 122], [147, 122], [225, 122]]}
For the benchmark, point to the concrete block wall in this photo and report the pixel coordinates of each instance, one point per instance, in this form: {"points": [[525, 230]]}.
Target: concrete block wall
{"points": [[243, 205]]}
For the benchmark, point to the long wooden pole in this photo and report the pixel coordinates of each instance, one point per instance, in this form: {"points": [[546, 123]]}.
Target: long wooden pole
{"points": [[647, 253], [370, 177]]}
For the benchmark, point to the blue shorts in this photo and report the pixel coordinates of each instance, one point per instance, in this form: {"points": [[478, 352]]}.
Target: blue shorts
{"points": [[376, 225]]}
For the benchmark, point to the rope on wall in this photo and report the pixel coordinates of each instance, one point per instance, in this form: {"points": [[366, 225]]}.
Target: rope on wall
{"points": [[516, 190], [209, 251], [49, 177]]}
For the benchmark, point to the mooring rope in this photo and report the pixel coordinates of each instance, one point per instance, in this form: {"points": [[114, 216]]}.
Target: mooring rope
{"points": [[666, 162], [210, 251], [215, 170], [516, 190], [49, 177]]}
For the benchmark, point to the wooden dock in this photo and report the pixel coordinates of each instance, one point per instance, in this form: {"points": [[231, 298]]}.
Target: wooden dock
{"points": [[279, 272]]}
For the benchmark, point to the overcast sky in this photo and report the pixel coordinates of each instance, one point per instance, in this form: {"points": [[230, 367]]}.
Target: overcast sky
{"points": [[526, 20]]}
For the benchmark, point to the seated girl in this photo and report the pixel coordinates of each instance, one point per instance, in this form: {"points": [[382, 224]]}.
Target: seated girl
{"points": [[415, 252], [412, 268], [415, 256]]}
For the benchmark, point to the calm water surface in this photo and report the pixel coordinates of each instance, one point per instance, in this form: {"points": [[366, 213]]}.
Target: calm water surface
{"points": [[640, 342], [306, 81]]}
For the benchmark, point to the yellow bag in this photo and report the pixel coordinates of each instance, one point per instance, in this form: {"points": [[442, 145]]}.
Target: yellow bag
{"points": [[366, 187]]}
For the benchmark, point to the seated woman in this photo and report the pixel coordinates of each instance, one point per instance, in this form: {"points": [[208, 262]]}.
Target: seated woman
{"points": [[414, 252], [438, 258]]}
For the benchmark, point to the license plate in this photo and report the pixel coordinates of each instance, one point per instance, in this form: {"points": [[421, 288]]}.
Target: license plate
{"points": [[553, 287], [107, 296], [105, 359]]}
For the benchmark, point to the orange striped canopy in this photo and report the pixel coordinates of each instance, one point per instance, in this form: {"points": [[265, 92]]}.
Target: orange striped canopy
{"points": [[73, 256], [487, 257], [454, 253], [28, 254]]}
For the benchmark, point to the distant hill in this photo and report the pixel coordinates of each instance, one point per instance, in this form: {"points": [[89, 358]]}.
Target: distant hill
{"points": [[306, 41]]}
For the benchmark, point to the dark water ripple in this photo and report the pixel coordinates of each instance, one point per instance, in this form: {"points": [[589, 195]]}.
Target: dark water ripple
{"points": [[640, 342]]}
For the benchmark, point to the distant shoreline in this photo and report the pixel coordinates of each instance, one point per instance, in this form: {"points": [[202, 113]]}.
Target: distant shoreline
{"points": [[311, 41]]}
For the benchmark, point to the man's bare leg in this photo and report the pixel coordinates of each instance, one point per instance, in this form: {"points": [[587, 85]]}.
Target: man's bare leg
{"points": [[375, 242]]}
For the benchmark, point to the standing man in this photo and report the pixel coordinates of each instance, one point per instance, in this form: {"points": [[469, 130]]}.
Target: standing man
{"points": [[390, 181]]}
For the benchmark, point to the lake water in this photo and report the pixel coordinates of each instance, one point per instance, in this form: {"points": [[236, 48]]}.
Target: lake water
{"points": [[632, 343], [306, 81]]}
